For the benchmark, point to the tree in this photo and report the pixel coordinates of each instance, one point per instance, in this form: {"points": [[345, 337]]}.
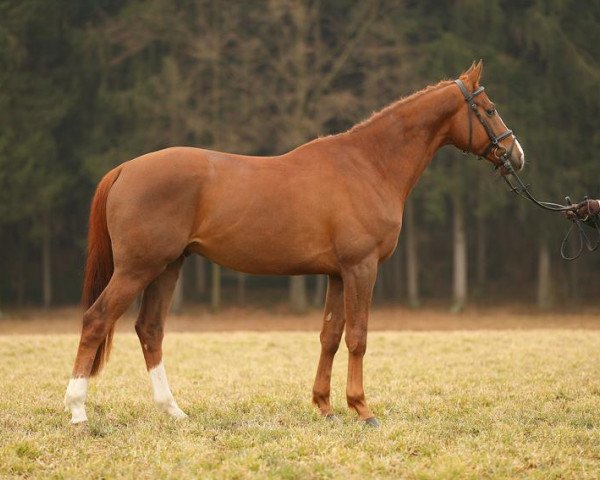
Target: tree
{"points": [[40, 90], [88, 85]]}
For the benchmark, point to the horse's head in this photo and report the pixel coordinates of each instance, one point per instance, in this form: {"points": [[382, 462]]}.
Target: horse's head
{"points": [[478, 128]]}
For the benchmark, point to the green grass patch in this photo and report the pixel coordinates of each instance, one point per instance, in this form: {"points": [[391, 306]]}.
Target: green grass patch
{"points": [[490, 404]]}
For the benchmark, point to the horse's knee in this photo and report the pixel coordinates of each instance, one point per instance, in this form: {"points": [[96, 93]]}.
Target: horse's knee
{"points": [[330, 344], [357, 344]]}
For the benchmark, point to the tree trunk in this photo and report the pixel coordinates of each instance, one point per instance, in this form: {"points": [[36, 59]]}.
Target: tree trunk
{"points": [[387, 270], [396, 277], [241, 288], [319, 297], [21, 256], [460, 255], [46, 260], [481, 256], [574, 274], [544, 293], [200, 273], [215, 292], [412, 260], [298, 300]]}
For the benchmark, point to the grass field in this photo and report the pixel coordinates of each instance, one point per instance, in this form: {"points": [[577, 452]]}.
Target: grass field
{"points": [[453, 404]]}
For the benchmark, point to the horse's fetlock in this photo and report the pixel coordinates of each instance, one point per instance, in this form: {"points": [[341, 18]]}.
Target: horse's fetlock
{"points": [[355, 399], [75, 395], [320, 397]]}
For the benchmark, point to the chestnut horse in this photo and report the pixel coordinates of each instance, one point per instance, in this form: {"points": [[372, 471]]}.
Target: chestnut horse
{"points": [[332, 206]]}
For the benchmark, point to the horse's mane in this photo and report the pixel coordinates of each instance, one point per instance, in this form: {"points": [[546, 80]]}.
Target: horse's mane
{"points": [[393, 106], [381, 113]]}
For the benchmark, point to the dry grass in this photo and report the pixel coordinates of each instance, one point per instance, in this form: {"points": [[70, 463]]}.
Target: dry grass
{"points": [[463, 404]]}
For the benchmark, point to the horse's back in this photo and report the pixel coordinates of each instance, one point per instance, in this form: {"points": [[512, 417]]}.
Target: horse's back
{"points": [[280, 215]]}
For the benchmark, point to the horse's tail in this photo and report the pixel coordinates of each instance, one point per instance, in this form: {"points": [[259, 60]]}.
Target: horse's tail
{"points": [[99, 263]]}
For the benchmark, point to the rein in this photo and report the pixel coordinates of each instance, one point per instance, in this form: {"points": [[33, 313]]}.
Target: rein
{"points": [[522, 189]]}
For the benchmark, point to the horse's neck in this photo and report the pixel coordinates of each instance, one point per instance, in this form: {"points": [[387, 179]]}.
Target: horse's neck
{"points": [[401, 140]]}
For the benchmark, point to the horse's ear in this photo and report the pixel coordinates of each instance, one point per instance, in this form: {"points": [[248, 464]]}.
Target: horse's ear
{"points": [[463, 76], [475, 73]]}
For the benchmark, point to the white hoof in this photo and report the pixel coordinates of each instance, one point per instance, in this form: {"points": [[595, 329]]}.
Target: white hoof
{"points": [[170, 407], [177, 413], [78, 417]]}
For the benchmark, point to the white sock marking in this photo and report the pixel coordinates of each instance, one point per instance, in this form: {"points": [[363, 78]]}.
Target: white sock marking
{"points": [[162, 393], [75, 399]]}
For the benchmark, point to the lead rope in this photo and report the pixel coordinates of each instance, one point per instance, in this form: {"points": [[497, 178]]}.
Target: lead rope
{"points": [[584, 239]]}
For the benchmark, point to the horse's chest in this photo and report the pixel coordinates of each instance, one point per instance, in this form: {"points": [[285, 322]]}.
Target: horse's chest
{"points": [[370, 236], [388, 242]]}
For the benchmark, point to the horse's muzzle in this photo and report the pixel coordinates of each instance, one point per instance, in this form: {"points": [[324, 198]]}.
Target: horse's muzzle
{"points": [[516, 158]]}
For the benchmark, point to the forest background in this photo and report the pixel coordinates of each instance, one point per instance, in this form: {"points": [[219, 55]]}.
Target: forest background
{"points": [[86, 85]]}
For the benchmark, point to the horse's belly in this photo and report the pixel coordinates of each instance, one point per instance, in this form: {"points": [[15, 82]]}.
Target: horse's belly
{"points": [[258, 252]]}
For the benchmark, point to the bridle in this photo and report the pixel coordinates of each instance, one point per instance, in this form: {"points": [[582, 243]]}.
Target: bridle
{"points": [[499, 151], [522, 189]]}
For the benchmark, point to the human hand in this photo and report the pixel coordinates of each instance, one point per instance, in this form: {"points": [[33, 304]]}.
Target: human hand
{"points": [[583, 210]]}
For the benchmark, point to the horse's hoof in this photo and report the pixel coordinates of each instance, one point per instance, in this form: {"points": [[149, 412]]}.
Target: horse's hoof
{"points": [[177, 413], [332, 418], [78, 414], [78, 419], [373, 422]]}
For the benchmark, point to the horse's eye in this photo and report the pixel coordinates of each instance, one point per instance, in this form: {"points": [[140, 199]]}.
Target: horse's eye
{"points": [[490, 112]]}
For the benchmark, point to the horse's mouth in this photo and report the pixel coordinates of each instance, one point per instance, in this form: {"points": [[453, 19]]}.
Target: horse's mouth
{"points": [[514, 167]]}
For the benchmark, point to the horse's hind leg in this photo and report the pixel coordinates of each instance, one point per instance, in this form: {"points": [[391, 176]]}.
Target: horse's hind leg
{"points": [[331, 334], [149, 327], [98, 321]]}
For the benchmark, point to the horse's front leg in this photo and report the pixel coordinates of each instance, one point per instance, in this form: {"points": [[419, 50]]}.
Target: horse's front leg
{"points": [[358, 291], [331, 334]]}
